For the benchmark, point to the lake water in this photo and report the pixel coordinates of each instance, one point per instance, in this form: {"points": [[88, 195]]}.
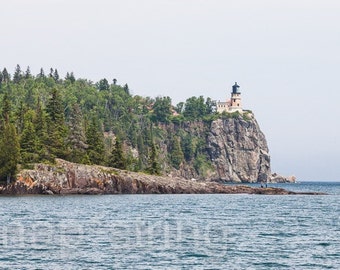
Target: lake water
{"points": [[173, 231]]}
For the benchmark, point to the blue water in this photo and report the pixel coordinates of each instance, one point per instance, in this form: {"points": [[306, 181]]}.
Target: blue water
{"points": [[173, 231]]}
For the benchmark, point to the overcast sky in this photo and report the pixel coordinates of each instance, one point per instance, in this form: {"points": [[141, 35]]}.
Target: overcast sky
{"points": [[285, 55]]}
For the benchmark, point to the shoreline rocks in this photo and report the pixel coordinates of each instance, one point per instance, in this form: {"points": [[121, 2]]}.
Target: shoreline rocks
{"points": [[275, 178], [65, 178]]}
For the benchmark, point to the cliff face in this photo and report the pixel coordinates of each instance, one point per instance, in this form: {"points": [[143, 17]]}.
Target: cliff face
{"points": [[238, 151], [235, 148]]}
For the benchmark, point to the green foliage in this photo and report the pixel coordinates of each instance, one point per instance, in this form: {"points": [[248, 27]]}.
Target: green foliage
{"points": [[210, 117], [202, 165], [55, 108], [177, 119], [56, 127], [17, 75], [153, 165], [179, 107], [176, 154], [196, 108], [28, 73], [187, 147], [40, 126], [5, 76], [76, 137], [56, 75], [95, 142], [29, 142], [126, 89], [6, 109], [161, 110], [76, 119], [70, 77], [117, 158], [226, 115], [247, 115], [41, 74], [9, 152], [103, 85]]}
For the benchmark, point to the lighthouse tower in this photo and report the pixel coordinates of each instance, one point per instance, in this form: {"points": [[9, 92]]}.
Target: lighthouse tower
{"points": [[235, 101], [232, 105]]}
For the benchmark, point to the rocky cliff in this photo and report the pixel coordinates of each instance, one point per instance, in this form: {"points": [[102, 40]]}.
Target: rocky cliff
{"points": [[238, 150], [235, 148]]}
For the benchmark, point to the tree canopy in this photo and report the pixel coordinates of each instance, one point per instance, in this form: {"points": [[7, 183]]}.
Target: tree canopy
{"points": [[47, 116]]}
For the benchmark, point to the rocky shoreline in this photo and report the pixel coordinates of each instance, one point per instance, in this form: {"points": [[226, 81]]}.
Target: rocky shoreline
{"points": [[65, 178]]}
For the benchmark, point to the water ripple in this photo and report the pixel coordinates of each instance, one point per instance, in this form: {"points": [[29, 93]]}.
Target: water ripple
{"points": [[170, 232]]}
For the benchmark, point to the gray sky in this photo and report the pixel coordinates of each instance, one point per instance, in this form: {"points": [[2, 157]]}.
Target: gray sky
{"points": [[284, 55]]}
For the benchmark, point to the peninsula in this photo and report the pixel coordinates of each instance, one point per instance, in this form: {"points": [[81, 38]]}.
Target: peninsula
{"points": [[69, 135]]}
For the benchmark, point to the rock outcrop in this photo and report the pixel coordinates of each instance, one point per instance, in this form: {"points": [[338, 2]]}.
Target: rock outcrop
{"points": [[275, 178], [236, 149], [70, 178]]}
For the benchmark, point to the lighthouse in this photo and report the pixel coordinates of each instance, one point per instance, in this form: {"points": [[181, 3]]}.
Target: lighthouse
{"points": [[232, 105], [235, 101]]}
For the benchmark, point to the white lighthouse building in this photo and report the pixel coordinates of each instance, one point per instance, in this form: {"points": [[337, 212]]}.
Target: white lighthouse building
{"points": [[234, 104]]}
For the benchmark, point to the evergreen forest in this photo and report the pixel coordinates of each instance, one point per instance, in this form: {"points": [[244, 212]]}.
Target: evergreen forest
{"points": [[45, 116]]}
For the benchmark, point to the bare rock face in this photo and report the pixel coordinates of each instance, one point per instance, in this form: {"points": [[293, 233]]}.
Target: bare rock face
{"points": [[275, 178], [235, 148], [238, 150]]}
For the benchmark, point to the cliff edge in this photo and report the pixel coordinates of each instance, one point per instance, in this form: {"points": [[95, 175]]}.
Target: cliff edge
{"points": [[235, 148], [239, 151]]}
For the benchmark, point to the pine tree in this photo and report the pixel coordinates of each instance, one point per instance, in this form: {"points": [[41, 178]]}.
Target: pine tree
{"points": [[70, 77], [40, 121], [177, 155], [103, 85], [187, 147], [28, 73], [142, 158], [55, 108], [20, 116], [30, 98], [9, 144], [6, 109], [162, 109], [56, 75], [57, 131], [95, 142], [117, 158], [9, 152], [17, 74], [29, 140], [6, 77], [40, 127], [41, 74], [76, 137], [51, 73], [126, 89], [153, 165]]}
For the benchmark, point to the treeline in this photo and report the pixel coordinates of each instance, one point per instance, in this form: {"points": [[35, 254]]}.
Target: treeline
{"points": [[44, 117]]}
